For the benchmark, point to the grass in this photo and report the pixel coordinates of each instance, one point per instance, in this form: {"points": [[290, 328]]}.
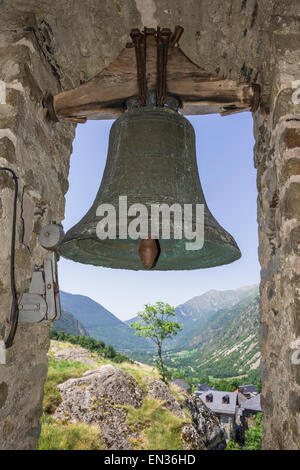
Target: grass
{"points": [[140, 373], [178, 397], [56, 435], [161, 430], [77, 436], [60, 371]]}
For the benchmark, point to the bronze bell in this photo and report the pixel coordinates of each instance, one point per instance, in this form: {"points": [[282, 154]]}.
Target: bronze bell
{"points": [[151, 160]]}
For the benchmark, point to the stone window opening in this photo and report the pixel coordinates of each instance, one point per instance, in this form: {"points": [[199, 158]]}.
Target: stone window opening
{"points": [[209, 398], [226, 400]]}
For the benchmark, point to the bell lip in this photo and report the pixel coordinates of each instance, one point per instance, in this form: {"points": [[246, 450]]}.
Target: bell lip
{"points": [[234, 254]]}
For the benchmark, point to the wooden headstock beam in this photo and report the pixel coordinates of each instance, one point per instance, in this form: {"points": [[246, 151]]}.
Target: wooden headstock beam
{"points": [[200, 92]]}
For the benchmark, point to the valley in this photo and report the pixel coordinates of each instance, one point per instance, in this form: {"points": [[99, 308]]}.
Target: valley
{"points": [[219, 339]]}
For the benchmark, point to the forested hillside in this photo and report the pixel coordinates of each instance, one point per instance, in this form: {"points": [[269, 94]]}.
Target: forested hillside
{"points": [[219, 338], [101, 324], [69, 324], [227, 346]]}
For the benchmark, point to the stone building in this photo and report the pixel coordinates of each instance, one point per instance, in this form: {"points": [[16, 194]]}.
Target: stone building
{"points": [[53, 46], [224, 405]]}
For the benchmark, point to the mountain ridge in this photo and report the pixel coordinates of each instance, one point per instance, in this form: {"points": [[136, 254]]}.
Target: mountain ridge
{"points": [[212, 301], [102, 324], [197, 314]]}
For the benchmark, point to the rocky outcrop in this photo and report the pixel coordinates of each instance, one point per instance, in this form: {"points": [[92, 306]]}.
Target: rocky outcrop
{"points": [[72, 354], [102, 396], [159, 390], [249, 41], [204, 432], [97, 397], [205, 423]]}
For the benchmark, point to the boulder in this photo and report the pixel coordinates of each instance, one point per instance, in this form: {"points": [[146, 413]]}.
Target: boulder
{"points": [[101, 396], [93, 397], [205, 423], [204, 432], [159, 390]]}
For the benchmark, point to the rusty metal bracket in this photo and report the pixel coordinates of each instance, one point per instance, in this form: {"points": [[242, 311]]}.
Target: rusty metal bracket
{"points": [[135, 73], [163, 38], [139, 41]]}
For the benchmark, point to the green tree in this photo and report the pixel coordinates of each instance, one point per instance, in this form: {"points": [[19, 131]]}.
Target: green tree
{"points": [[155, 324]]}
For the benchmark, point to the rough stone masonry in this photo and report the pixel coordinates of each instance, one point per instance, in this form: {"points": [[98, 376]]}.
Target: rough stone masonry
{"points": [[54, 45]]}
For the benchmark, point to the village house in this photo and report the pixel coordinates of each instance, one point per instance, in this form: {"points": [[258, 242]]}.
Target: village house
{"points": [[224, 405], [203, 388], [233, 409]]}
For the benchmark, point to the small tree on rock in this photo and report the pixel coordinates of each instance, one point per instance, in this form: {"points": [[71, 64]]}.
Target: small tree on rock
{"points": [[155, 324]]}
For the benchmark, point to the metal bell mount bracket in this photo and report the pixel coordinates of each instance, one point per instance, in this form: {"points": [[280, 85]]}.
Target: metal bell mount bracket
{"points": [[41, 303]]}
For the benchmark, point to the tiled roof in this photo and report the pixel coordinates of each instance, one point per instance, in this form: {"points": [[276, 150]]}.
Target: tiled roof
{"points": [[248, 389], [204, 387], [253, 404], [217, 405], [241, 398]]}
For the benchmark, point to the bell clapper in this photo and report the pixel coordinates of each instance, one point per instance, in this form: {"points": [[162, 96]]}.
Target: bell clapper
{"points": [[148, 251]]}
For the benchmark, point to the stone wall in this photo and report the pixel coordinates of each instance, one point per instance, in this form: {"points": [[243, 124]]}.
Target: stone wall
{"points": [[277, 158], [39, 155], [48, 45]]}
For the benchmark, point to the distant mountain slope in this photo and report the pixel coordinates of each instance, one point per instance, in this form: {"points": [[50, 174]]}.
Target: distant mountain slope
{"points": [[69, 324], [199, 307], [225, 346], [102, 324], [220, 335], [198, 313]]}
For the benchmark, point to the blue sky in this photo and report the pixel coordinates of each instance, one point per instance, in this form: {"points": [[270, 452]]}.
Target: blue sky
{"points": [[225, 162]]}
